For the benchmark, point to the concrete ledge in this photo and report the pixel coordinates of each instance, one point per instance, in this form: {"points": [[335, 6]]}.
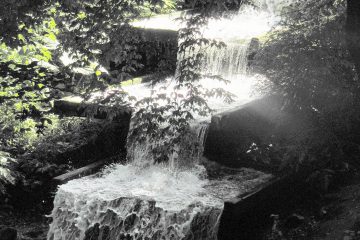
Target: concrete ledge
{"points": [[249, 216], [80, 109], [259, 123]]}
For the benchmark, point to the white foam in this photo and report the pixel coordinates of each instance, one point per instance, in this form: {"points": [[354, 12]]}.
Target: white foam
{"points": [[172, 190]]}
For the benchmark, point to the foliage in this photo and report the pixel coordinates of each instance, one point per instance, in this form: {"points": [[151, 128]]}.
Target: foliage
{"points": [[44, 158], [65, 145], [28, 83], [15, 13], [307, 63], [66, 134], [15, 133], [39, 33], [7, 174]]}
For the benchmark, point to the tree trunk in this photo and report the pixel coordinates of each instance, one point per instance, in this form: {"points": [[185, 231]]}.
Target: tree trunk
{"points": [[353, 31]]}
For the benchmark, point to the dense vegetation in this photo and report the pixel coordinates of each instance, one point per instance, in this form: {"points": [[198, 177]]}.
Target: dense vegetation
{"points": [[317, 76], [34, 37]]}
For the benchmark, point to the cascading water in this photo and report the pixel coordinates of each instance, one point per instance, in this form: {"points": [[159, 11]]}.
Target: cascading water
{"points": [[186, 153], [154, 201]]}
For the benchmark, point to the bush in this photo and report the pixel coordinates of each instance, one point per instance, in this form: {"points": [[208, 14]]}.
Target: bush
{"points": [[307, 62], [7, 173]]}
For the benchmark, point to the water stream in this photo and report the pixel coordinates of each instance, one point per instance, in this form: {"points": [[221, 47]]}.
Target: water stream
{"points": [[168, 201]]}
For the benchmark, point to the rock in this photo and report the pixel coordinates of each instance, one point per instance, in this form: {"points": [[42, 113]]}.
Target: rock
{"points": [[7, 233]]}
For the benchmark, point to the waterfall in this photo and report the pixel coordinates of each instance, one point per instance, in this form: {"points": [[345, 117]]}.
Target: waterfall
{"points": [[201, 131], [186, 154], [229, 62], [236, 32], [143, 200]]}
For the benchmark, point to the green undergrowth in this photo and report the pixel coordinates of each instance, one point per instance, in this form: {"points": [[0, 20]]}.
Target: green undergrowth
{"points": [[47, 155]]}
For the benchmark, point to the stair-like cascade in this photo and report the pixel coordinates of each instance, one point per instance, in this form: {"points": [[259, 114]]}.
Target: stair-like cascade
{"points": [[180, 199]]}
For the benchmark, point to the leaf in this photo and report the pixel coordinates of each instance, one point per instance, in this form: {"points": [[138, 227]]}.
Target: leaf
{"points": [[81, 15], [51, 36], [46, 53], [52, 24], [98, 73], [21, 37]]}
